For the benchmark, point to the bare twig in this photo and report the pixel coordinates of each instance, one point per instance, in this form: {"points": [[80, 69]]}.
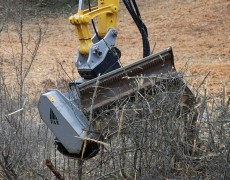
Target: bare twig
{"points": [[92, 103], [15, 112], [94, 140]]}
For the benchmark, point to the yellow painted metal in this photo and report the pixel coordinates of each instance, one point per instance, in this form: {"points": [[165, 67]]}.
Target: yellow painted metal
{"points": [[107, 20], [51, 98], [107, 13]]}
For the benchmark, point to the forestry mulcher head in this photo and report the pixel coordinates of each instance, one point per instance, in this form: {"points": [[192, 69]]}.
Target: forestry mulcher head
{"points": [[66, 114]]}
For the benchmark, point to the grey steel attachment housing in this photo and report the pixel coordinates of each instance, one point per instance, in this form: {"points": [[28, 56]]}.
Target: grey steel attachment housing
{"points": [[63, 115]]}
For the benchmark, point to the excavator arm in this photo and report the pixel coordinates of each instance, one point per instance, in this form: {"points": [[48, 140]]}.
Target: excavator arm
{"points": [[106, 11], [97, 54]]}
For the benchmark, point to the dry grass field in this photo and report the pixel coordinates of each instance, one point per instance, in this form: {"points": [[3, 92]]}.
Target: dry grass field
{"points": [[198, 31]]}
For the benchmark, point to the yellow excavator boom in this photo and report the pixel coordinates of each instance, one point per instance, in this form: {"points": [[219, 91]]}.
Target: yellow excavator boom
{"points": [[107, 13]]}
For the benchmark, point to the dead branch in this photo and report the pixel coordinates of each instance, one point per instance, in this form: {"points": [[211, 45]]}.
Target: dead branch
{"points": [[50, 165]]}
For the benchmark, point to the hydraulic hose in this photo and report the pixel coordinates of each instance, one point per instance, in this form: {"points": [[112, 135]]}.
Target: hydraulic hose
{"points": [[135, 14]]}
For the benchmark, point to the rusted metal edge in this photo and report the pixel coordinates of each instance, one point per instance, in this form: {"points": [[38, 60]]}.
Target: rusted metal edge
{"points": [[119, 83], [154, 58]]}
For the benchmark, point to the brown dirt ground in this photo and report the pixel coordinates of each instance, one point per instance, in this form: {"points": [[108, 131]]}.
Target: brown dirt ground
{"points": [[198, 31]]}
